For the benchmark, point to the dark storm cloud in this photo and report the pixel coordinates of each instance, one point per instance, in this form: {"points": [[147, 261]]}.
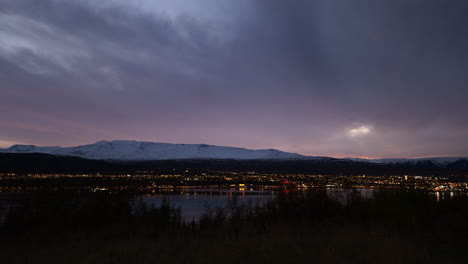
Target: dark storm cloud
{"points": [[296, 75]]}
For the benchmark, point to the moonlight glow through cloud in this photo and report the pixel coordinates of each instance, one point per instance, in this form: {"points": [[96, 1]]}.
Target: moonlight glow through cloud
{"points": [[360, 131]]}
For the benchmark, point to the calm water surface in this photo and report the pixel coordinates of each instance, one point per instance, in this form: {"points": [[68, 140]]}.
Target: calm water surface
{"points": [[194, 204]]}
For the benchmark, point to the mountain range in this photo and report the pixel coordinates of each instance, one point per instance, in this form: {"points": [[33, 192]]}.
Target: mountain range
{"points": [[126, 150], [138, 151]]}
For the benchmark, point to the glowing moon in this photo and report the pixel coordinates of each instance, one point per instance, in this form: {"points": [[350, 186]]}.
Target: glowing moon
{"points": [[360, 131]]}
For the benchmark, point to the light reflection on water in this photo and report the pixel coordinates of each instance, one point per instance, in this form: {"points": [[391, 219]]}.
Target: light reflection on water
{"points": [[445, 195]]}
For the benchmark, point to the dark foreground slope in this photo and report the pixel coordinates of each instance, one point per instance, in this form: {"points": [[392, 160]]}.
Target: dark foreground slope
{"points": [[44, 163], [390, 227]]}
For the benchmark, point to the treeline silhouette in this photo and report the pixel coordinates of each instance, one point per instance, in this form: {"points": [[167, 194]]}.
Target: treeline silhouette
{"points": [[389, 227], [44, 163]]}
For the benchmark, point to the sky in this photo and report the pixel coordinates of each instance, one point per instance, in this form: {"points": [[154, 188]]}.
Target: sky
{"points": [[363, 78]]}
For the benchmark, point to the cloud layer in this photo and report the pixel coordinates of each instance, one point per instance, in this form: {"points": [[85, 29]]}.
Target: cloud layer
{"points": [[295, 75]]}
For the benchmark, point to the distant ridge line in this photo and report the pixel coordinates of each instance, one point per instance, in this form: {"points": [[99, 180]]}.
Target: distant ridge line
{"points": [[131, 150]]}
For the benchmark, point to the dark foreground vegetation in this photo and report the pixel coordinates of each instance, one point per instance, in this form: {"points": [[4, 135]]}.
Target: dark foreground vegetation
{"points": [[313, 227], [24, 163]]}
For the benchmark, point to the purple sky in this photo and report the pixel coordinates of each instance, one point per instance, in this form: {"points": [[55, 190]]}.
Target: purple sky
{"points": [[364, 78]]}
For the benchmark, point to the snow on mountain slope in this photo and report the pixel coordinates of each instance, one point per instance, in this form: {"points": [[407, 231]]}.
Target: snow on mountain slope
{"points": [[136, 150]]}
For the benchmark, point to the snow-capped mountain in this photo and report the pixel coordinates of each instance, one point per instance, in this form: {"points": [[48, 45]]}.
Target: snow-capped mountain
{"points": [[137, 150], [126, 150]]}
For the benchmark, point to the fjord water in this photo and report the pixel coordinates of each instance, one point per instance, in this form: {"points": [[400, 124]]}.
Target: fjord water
{"points": [[196, 202], [193, 204]]}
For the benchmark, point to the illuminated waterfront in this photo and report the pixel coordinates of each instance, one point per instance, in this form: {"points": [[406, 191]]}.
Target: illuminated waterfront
{"points": [[186, 181]]}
